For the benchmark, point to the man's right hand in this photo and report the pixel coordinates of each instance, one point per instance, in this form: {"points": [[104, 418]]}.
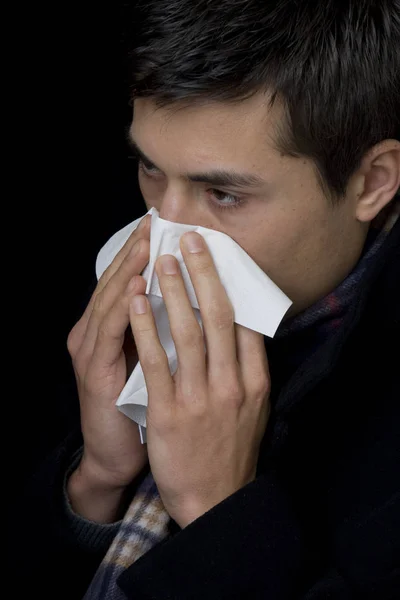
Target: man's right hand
{"points": [[98, 344]]}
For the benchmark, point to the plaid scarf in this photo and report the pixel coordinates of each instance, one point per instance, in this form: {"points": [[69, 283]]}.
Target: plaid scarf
{"points": [[146, 523]]}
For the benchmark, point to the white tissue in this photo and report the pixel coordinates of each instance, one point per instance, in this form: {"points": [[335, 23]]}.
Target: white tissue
{"points": [[257, 302]]}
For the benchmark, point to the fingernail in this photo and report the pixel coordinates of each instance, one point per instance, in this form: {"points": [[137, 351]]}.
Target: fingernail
{"points": [[139, 304], [169, 266], [194, 242]]}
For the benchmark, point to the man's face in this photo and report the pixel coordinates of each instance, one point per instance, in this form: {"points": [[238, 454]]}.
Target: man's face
{"points": [[271, 205]]}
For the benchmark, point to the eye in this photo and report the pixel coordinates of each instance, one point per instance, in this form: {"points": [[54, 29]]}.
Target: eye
{"points": [[148, 170], [224, 201]]}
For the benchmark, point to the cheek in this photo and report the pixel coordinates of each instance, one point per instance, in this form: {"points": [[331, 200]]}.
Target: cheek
{"points": [[282, 243], [267, 238]]}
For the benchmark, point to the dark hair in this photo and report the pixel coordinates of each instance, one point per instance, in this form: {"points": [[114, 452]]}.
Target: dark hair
{"points": [[335, 65]]}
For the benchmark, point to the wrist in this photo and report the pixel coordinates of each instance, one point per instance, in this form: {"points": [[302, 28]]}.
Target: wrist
{"points": [[188, 512], [93, 496], [101, 479]]}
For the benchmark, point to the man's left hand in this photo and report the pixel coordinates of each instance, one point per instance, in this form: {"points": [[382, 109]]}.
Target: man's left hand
{"points": [[205, 422]]}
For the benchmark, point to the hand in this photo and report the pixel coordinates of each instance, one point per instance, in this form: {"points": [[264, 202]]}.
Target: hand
{"points": [[206, 422], [113, 454]]}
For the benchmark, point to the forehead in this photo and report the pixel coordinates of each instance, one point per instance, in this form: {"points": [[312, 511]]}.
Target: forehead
{"points": [[229, 133]]}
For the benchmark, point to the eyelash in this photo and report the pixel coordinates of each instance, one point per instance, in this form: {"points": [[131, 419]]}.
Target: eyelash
{"points": [[238, 202]]}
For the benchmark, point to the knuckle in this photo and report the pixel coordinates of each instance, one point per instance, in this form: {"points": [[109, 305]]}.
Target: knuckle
{"points": [[106, 276], [143, 332], [230, 392], [189, 392], [190, 334], [137, 285], [140, 250], [71, 344], [220, 317], [261, 388], [136, 248], [98, 307], [236, 396], [144, 247], [73, 340], [203, 265], [108, 328], [197, 407], [152, 361]]}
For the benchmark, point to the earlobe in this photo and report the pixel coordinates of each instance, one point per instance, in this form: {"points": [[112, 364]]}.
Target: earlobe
{"points": [[380, 170]]}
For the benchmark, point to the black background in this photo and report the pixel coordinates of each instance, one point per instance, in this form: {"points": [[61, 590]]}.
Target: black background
{"points": [[71, 186]]}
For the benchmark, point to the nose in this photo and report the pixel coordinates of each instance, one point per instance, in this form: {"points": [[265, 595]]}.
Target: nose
{"points": [[179, 205]]}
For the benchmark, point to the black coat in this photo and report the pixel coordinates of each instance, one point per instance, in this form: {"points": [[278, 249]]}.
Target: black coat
{"points": [[322, 518]]}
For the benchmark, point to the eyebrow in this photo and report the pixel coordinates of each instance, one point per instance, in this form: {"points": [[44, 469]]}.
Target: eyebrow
{"points": [[216, 177]]}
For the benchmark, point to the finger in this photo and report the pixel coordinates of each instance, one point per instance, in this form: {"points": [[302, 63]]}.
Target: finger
{"points": [[253, 361], [133, 264], [185, 329], [215, 307], [76, 335], [141, 232], [151, 354], [111, 332]]}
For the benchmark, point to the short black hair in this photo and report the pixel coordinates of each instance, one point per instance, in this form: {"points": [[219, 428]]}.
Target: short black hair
{"points": [[335, 65]]}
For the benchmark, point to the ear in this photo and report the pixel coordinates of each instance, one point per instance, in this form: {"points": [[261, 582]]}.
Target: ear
{"points": [[377, 180]]}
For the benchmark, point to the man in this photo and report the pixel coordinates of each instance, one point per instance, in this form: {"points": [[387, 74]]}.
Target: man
{"points": [[270, 468]]}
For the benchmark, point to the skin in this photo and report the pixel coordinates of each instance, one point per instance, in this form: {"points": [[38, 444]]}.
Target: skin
{"points": [[206, 422]]}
